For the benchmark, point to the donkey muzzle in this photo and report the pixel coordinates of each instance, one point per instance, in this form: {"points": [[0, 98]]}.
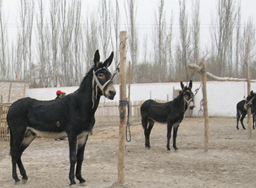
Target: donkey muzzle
{"points": [[110, 92]]}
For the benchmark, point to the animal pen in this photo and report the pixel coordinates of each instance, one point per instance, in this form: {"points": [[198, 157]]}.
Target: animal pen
{"points": [[10, 91]]}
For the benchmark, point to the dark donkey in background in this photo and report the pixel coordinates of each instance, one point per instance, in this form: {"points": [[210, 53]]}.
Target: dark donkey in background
{"points": [[252, 103], [171, 113], [242, 107], [71, 116]]}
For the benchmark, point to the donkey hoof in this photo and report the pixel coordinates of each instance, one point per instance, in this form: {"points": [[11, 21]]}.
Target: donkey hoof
{"points": [[81, 180], [24, 180], [83, 184], [17, 181]]}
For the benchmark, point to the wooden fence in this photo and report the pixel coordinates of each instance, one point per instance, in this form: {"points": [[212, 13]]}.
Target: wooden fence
{"points": [[108, 113], [10, 91], [4, 131]]}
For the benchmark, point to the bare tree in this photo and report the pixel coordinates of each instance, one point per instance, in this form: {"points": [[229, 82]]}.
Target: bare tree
{"points": [[105, 29], [160, 33], [25, 36], [132, 35], [184, 40], [223, 36], [55, 36], [196, 33], [249, 40], [116, 32], [4, 57], [168, 44], [238, 38], [91, 38], [42, 42]]}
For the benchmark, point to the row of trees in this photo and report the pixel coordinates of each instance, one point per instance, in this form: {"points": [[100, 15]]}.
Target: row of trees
{"points": [[55, 44]]}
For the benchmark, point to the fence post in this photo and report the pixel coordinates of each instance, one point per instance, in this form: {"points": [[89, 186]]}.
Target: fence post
{"points": [[248, 88], [122, 109], [206, 116], [129, 89]]}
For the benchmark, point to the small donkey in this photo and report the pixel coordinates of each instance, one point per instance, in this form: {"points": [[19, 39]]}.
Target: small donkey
{"points": [[171, 113]]}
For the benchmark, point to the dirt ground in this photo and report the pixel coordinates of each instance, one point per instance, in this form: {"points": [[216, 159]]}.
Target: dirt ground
{"points": [[229, 162]]}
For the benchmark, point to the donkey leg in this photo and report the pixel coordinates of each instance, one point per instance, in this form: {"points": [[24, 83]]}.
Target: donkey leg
{"points": [[175, 130], [241, 120], [14, 156], [144, 122], [22, 171], [15, 144], [253, 121], [72, 157], [80, 158], [29, 137], [150, 126], [169, 129], [237, 119]]}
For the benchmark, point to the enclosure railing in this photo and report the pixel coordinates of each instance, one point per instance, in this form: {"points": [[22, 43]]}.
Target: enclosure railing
{"points": [[4, 131], [108, 113]]}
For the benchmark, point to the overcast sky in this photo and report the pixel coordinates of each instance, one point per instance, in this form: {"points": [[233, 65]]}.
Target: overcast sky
{"points": [[145, 14]]}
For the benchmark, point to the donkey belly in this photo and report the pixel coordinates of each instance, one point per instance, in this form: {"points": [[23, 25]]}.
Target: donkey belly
{"points": [[159, 117], [47, 134]]}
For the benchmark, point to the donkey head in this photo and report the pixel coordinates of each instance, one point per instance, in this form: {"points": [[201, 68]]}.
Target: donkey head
{"points": [[248, 100], [187, 92], [102, 76]]}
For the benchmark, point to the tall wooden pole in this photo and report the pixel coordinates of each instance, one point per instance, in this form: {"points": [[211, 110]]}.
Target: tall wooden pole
{"points": [[206, 116], [122, 109], [248, 88], [129, 88]]}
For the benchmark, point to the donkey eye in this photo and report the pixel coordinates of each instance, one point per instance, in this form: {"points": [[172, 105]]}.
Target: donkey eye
{"points": [[101, 76]]}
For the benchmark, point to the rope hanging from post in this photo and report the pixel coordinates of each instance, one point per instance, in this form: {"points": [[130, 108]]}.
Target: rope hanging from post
{"points": [[123, 103]]}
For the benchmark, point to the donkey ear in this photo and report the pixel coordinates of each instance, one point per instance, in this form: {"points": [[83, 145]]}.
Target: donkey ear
{"points": [[108, 61], [190, 84], [96, 58], [181, 85]]}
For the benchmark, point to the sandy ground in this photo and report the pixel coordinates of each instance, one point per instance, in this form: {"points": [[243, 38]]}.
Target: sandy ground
{"points": [[229, 162]]}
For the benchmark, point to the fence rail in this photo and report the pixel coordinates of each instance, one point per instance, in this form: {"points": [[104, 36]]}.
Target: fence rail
{"points": [[4, 131], [108, 113]]}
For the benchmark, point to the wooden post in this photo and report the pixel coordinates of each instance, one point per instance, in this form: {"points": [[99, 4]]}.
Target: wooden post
{"points": [[122, 109], [10, 92], [206, 116], [248, 88], [129, 88]]}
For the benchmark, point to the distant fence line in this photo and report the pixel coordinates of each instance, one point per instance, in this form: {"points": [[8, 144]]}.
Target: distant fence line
{"points": [[10, 91], [4, 132], [108, 113]]}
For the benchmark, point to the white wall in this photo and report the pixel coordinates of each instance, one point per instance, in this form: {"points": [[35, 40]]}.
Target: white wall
{"points": [[222, 96]]}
